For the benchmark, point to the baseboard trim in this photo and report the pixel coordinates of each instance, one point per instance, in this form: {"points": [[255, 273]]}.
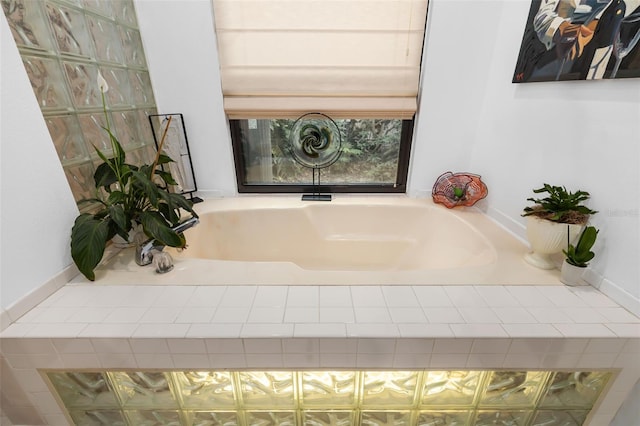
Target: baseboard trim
{"points": [[32, 299]]}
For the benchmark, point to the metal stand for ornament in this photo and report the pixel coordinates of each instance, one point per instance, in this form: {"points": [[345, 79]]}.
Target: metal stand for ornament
{"points": [[176, 146], [315, 143], [316, 195]]}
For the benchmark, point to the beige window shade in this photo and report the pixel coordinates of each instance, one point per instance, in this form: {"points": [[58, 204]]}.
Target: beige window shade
{"points": [[341, 57]]}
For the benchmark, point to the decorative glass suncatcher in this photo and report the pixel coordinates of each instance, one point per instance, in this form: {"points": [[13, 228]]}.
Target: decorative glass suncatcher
{"points": [[176, 146], [315, 143]]}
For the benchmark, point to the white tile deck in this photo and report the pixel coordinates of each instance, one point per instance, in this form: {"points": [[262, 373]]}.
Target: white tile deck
{"points": [[117, 327]]}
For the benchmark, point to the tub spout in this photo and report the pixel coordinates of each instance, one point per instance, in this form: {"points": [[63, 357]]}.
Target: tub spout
{"points": [[145, 250]]}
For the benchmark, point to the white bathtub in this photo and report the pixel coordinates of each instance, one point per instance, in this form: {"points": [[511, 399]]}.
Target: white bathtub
{"points": [[352, 240]]}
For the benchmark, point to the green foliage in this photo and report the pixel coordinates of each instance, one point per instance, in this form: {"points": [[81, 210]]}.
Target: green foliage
{"points": [[132, 195], [560, 205], [580, 254]]}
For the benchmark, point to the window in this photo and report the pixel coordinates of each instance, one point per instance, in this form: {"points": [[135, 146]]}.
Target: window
{"points": [[355, 61], [374, 158]]}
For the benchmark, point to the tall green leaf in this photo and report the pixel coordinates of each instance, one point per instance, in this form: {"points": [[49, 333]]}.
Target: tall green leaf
{"points": [[157, 227], [88, 238]]}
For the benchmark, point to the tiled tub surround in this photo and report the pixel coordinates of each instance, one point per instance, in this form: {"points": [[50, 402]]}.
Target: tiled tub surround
{"points": [[104, 327]]}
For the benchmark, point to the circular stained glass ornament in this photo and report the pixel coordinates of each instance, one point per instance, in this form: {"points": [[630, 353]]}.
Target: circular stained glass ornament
{"points": [[315, 141]]}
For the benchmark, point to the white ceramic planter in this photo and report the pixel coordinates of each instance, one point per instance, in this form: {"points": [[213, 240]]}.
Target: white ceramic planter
{"points": [[571, 275], [548, 238]]}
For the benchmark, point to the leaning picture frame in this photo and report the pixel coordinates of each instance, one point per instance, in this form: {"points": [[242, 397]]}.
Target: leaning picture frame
{"points": [[176, 146]]}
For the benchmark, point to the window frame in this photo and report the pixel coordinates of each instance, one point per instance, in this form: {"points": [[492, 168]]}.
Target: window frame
{"points": [[400, 186]]}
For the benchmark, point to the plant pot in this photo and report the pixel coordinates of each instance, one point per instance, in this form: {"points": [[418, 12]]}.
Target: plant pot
{"points": [[571, 275], [548, 238]]}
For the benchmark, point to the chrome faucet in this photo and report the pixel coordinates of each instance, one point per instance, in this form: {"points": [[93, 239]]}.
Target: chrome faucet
{"points": [[145, 251]]}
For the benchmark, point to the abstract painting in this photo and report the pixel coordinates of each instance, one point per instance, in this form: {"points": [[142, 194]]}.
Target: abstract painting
{"points": [[580, 40]]}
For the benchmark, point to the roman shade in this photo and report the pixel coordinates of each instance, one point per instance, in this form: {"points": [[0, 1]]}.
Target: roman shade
{"points": [[345, 58]]}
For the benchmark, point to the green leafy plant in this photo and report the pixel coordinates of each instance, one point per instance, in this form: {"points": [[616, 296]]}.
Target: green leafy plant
{"points": [[126, 196], [580, 254], [560, 205]]}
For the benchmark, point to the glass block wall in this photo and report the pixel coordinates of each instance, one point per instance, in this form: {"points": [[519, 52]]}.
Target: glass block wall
{"points": [[64, 44], [329, 398]]}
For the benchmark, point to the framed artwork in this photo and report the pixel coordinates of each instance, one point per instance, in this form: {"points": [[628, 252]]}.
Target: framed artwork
{"points": [[580, 40]]}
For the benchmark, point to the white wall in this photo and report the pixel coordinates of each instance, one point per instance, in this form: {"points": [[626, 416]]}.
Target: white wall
{"points": [[36, 206], [471, 118], [180, 47]]}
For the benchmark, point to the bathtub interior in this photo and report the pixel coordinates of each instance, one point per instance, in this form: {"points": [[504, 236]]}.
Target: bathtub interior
{"points": [[352, 240], [341, 237]]}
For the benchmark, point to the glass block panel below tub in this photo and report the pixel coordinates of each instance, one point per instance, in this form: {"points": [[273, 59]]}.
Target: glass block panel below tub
{"points": [[334, 388], [386, 418], [84, 390], [267, 389], [203, 390], [512, 388], [447, 388], [502, 418], [389, 388], [98, 418], [574, 389], [144, 390], [444, 418]]}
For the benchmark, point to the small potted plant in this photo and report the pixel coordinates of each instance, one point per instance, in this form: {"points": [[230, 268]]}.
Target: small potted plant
{"points": [[578, 257], [127, 197], [550, 219]]}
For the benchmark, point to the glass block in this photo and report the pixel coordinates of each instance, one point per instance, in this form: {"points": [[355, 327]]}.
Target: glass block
{"points": [[447, 388], [101, 7], [127, 124], [271, 418], [97, 418], [205, 390], [146, 390], [47, 81], [267, 389], [106, 40], [560, 418], [386, 418], [146, 134], [444, 418], [144, 155], [574, 389], [141, 87], [119, 93], [92, 126], [389, 388], [125, 12], [153, 417], [328, 388], [502, 418], [65, 132], [328, 418], [80, 178], [512, 388], [132, 45], [212, 418], [70, 30], [28, 24], [83, 81], [83, 390]]}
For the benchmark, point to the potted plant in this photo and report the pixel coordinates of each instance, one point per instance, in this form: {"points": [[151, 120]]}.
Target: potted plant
{"points": [[551, 219], [578, 257], [127, 196]]}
